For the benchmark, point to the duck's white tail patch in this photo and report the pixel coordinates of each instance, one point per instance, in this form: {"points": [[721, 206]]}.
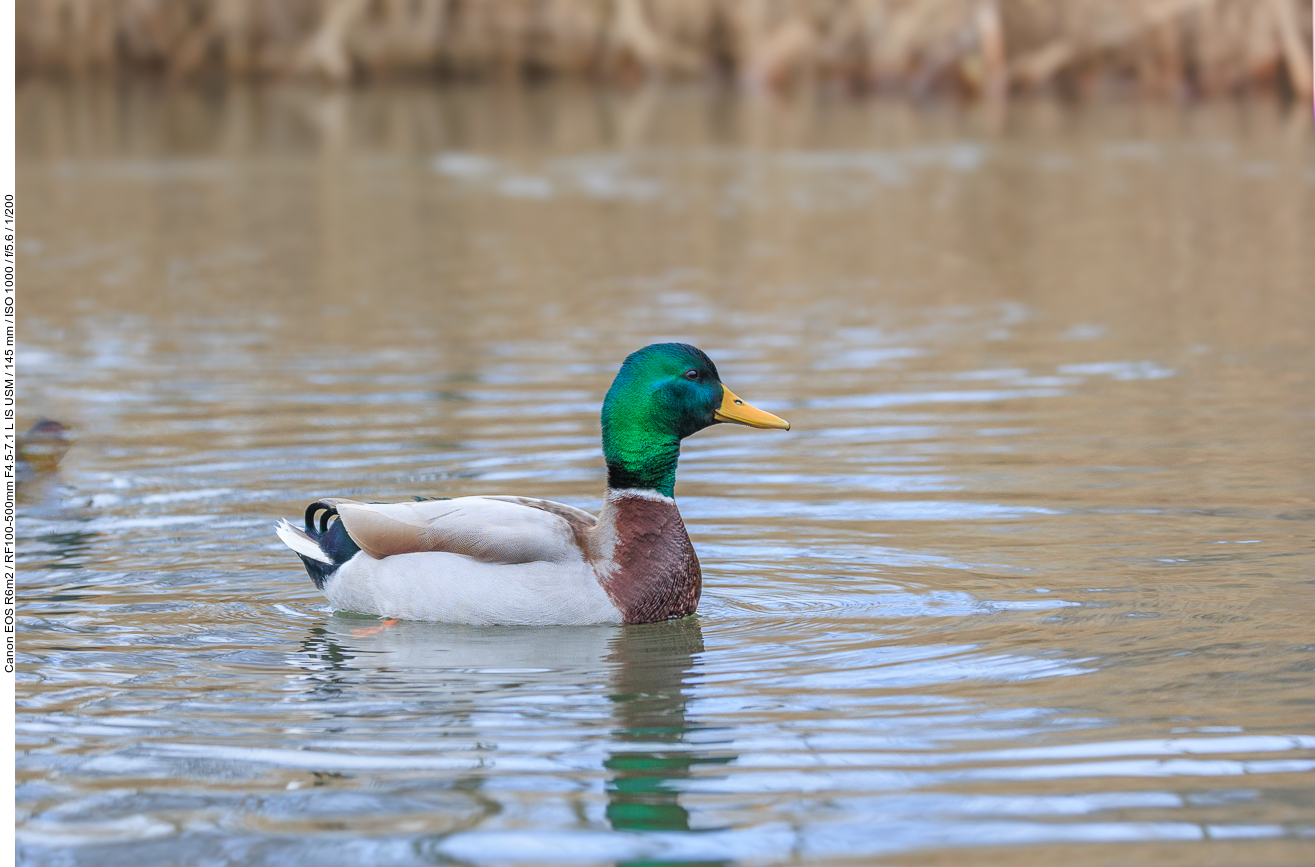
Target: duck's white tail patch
{"points": [[298, 541]]}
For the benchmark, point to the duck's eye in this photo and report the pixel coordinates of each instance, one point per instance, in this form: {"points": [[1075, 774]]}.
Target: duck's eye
{"points": [[692, 375]]}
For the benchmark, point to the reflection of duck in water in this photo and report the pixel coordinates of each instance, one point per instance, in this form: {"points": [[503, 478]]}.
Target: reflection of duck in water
{"points": [[519, 561], [472, 670], [649, 752], [454, 659]]}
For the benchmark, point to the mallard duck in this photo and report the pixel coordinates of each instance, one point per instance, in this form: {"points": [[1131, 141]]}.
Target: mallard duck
{"points": [[36, 462], [521, 561], [41, 449]]}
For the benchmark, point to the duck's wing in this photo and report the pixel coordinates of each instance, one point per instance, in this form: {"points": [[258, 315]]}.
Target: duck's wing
{"points": [[491, 529]]}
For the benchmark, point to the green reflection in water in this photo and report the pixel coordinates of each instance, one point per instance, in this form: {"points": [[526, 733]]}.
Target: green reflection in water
{"points": [[651, 666]]}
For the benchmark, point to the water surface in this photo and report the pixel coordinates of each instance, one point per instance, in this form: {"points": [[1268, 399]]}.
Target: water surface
{"points": [[1030, 580]]}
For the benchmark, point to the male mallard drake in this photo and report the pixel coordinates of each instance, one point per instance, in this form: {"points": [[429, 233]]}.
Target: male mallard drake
{"points": [[515, 560]]}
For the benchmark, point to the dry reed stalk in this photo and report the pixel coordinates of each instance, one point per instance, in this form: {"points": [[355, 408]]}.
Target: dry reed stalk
{"points": [[1294, 46], [982, 47], [990, 33]]}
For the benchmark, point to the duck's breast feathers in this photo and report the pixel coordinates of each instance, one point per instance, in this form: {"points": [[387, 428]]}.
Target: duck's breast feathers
{"points": [[490, 529]]}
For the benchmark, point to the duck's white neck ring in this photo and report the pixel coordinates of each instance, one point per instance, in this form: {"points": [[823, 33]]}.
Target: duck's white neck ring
{"points": [[615, 494]]}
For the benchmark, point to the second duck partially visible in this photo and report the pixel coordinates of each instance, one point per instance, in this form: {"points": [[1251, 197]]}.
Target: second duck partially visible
{"points": [[522, 561]]}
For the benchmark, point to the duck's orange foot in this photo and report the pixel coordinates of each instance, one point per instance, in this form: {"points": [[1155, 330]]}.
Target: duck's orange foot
{"points": [[375, 630]]}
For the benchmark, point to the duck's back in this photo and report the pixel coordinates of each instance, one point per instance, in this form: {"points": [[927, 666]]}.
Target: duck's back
{"points": [[478, 560]]}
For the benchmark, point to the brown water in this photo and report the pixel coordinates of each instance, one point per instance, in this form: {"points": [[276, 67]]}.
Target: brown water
{"points": [[1032, 580]]}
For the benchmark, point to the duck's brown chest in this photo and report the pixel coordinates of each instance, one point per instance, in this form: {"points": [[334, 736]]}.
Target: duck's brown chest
{"points": [[651, 572]]}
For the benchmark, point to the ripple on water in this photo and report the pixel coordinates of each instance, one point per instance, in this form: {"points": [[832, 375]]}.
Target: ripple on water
{"points": [[977, 599]]}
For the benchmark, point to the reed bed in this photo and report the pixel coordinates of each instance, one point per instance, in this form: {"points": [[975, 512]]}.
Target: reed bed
{"points": [[986, 48]]}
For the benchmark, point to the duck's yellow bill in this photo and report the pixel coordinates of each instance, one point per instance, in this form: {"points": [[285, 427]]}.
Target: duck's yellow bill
{"points": [[734, 410]]}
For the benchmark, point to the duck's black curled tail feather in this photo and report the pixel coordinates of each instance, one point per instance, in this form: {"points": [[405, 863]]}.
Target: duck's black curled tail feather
{"points": [[324, 510], [325, 544], [326, 534]]}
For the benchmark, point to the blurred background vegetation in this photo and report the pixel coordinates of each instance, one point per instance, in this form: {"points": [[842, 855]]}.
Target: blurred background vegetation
{"points": [[967, 48]]}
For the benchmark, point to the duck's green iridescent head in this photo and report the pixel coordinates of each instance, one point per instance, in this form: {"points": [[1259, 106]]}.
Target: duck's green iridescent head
{"points": [[662, 394]]}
